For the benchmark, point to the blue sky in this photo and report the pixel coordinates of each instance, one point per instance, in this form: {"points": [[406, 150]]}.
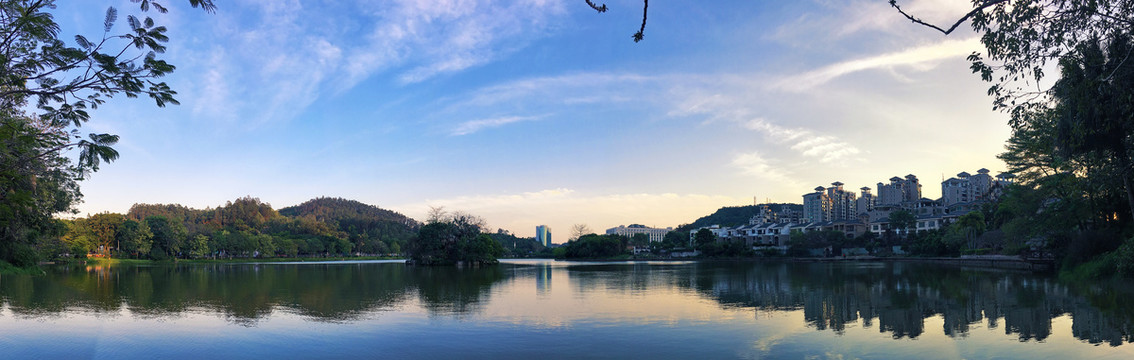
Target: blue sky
{"points": [[543, 112]]}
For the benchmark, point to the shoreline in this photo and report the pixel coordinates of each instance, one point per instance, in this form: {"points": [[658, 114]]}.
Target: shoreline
{"points": [[988, 261]]}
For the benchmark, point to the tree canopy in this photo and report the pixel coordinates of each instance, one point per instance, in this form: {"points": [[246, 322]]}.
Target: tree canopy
{"points": [[452, 238], [63, 81], [1022, 36]]}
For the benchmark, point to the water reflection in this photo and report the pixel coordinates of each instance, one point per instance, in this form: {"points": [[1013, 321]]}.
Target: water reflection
{"points": [[899, 297], [245, 293], [892, 298]]}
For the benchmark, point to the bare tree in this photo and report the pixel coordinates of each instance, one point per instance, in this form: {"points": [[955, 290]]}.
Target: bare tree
{"points": [[436, 214], [578, 230]]}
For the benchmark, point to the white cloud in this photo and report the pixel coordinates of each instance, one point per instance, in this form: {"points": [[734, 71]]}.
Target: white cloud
{"points": [[281, 56], [756, 165], [826, 148], [776, 132], [838, 20], [472, 126], [560, 208], [919, 58], [442, 37]]}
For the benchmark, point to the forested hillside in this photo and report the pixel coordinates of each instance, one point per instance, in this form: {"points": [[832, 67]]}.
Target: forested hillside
{"points": [[245, 227], [735, 215]]}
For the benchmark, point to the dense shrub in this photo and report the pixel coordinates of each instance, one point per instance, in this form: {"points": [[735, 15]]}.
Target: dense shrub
{"points": [[1124, 259], [1083, 246]]}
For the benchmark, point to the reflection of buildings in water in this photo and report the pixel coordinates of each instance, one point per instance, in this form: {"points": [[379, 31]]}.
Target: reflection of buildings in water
{"points": [[1092, 326], [900, 303], [543, 279], [902, 322]]}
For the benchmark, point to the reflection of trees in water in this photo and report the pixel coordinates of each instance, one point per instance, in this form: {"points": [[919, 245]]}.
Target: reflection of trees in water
{"points": [[245, 293], [901, 296], [452, 290], [626, 277]]}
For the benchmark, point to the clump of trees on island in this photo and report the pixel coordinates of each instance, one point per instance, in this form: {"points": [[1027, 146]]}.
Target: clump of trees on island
{"points": [[453, 238]]}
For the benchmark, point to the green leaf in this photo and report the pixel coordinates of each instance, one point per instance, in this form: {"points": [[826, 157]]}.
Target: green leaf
{"points": [[111, 17]]}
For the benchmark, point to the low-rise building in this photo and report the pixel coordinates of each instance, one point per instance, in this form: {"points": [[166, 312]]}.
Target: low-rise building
{"points": [[655, 234]]}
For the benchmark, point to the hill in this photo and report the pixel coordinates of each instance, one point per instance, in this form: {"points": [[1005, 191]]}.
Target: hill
{"points": [[735, 215], [335, 210]]}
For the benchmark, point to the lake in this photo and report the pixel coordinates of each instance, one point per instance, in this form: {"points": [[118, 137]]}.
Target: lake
{"points": [[543, 309]]}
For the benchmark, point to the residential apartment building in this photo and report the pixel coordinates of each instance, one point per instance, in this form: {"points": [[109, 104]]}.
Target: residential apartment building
{"points": [[816, 207], [829, 204], [717, 231], [899, 191], [966, 188], [777, 214], [865, 202]]}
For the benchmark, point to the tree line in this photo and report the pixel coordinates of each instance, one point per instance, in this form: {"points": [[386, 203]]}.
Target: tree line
{"points": [[243, 228]]}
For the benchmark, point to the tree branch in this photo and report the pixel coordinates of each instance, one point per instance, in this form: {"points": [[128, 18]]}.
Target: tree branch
{"points": [[986, 4], [639, 35], [600, 9]]}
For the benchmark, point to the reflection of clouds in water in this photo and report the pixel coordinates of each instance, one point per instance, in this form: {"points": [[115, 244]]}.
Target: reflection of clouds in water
{"points": [[767, 308], [601, 294]]}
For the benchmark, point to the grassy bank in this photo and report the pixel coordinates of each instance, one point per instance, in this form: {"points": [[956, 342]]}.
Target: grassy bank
{"points": [[114, 261], [9, 269]]}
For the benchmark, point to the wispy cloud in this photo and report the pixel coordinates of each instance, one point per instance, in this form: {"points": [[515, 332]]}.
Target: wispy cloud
{"points": [[472, 126], [757, 165], [914, 57], [442, 37], [840, 20], [562, 207], [303, 53], [826, 148]]}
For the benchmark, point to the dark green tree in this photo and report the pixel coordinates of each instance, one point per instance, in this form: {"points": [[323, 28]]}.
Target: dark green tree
{"points": [[135, 238], [1094, 108], [592, 246], [902, 220], [704, 237], [640, 240], [675, 239], [452, 238], [168, 237]]}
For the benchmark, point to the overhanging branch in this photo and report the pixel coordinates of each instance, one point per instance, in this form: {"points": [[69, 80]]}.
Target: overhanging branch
{"points": [[986, 4]]}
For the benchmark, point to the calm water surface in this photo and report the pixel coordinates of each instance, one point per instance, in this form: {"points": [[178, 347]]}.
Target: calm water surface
{"points": [[547, 309]]}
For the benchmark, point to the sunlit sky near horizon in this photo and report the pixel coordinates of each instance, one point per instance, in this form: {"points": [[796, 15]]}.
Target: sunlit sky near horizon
{"points": [[543, 112]]}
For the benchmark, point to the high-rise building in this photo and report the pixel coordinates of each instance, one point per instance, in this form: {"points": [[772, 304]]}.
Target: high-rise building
{"points": [[899, 191], [543, 235], [829, 204], [816, 207], [842, 202], [966, 188], [865, 202]]}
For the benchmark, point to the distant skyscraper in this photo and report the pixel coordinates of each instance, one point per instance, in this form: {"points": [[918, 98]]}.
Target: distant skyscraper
{"points": [[543, 235]]}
